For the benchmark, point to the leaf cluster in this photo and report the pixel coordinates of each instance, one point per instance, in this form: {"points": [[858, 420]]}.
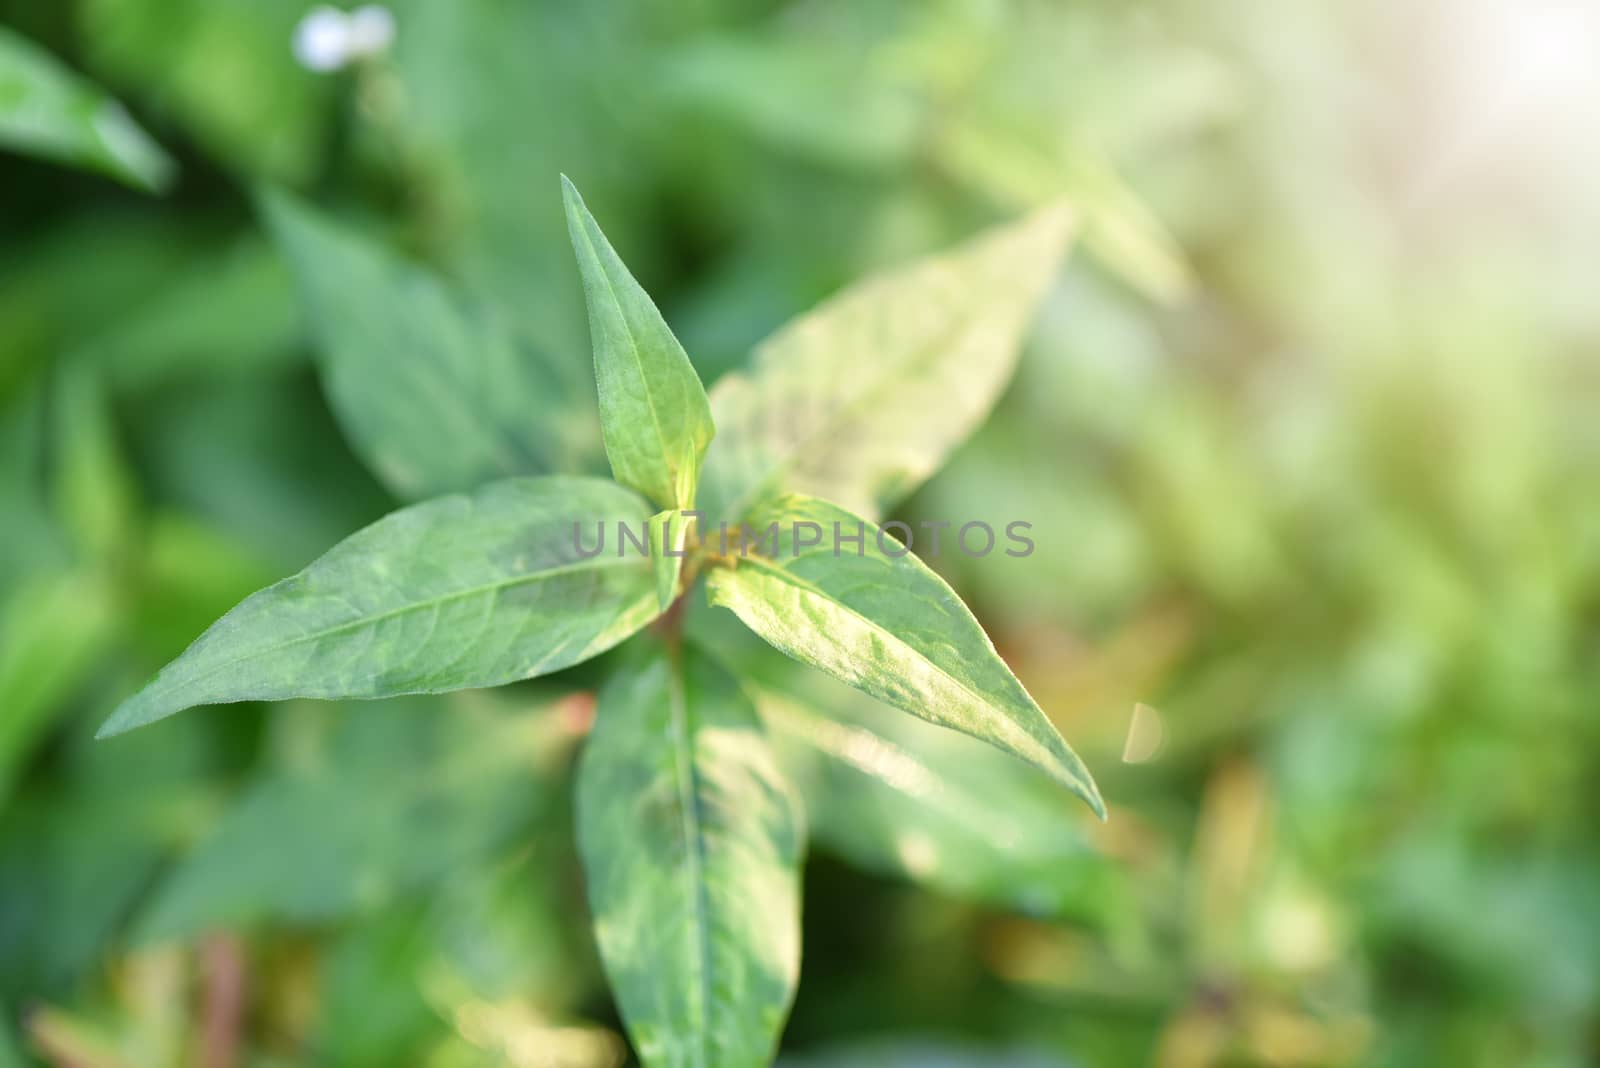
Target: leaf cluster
{"points": [[691, 834]]}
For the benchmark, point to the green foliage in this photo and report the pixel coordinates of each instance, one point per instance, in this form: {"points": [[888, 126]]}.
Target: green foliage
{"points": [[875, 617], [230, 305], [458, 592], [862, 399], [1304, 430], [669, 536], [689, 834], [48, 111], [400, 353], [224, 69], [653, 409], [342, 827], [691, 842], [930, 806], [59, 620]]}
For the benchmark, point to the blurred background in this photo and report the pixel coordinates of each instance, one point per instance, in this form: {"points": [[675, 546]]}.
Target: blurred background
{"points": [[1307, 432]]}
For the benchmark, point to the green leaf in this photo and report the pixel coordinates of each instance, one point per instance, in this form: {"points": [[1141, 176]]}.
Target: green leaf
{"points": [[54, 627], [285, 504], [190, 573], [77, 279], [353, 829], [504, 929], [30, 539], [372, 1009], [437, 394], [458, 592], [654, 415], [863, 398], [898, 796], [226, 72], [80, 849], [690, 842], [808, 98], [1119, 230], [921, 1054], [485, 151], [95, 497], [884, 623], [231, 308], [669, 533], [48, 111]]}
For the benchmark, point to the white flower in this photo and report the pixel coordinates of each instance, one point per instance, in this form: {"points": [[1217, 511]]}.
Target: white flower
{"points": [[328, 39]]}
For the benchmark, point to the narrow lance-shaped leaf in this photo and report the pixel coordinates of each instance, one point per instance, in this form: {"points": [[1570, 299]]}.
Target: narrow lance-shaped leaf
{"points": [[654, 415], [437, 393], [862, 399], [458, 592], [690, 842], [896, 795], [346, 831], [669, 533], [884, 623], [94, 488], [54, 628], [48, 111], [1011, 168], [230, 308]]}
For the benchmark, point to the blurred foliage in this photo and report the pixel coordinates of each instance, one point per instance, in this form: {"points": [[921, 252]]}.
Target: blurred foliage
{"points": [[1306, 437]]}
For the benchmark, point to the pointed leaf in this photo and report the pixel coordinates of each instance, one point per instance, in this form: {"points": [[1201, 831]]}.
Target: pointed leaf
{"points": [[457, 592], [96, 501], [653, 410], [338, 834], [669, 533], [230, 308], [1119, 229], [48, 111], [884, 623], [436, 393], [54, 629], [862, 399], [225, 73], [895, 795], [690, 842]]}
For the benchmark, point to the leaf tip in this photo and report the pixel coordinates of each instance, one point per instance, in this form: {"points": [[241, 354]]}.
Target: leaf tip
{"points": [[1075, 777], [115, 724], [572, 199], [580, 223], [135, 712], [160, 177], [1097, 804]]}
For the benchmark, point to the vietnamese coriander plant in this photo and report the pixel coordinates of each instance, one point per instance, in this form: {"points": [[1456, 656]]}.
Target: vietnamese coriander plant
{"points": [[689, 836]]}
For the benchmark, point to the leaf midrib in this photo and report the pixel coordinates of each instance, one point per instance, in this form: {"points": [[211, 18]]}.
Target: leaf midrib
{"points": [[783, 575], [376, 618], [687, 781], [667, 466]]}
